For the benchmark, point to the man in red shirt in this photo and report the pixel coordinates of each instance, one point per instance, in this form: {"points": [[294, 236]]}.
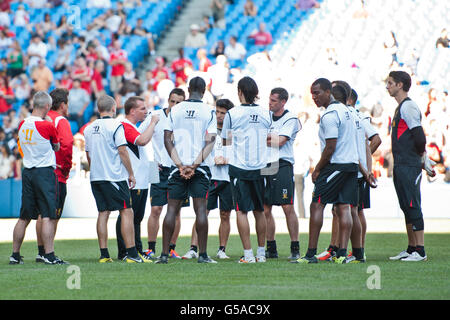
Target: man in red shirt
{"points": [[262, 37], [58, 112], [83, 73], [97, 79], [178, 67], [117, 60], [160, 72]]}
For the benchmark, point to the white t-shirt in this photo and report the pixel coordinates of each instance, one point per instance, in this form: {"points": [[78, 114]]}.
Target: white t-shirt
{"points": [[159, 150], [21, 18], [35, 135], [236, 53], [190, 121], [219, 172], [103, 137], [410, 112], [288, 125], [338, 123], [137, 154], [248, 126], [39, 49], [113, 23]]}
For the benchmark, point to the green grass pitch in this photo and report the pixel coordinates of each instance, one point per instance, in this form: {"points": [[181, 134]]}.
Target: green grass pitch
{"points": [[277, 279]]}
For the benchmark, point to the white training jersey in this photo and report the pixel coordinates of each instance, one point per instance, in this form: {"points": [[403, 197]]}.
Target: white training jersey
{"points": [[36, 136], [338, 123], [219, 172], [159, 150], [190, 121], [137, 154], [103, 137], [288, 125], [369, 131], [248, 125]]}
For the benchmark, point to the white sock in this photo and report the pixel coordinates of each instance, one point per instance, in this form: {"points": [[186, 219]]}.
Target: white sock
{"points": [[261, 252], [248, 253]]}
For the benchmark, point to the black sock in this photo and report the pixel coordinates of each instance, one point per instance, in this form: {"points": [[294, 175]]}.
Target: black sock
{"points": [[152, 245], [295, 246], [272, 246], [132, 252], [421, 250], [41, 250], [50, 256], [358, 253], [341, 252], [172, 246], [311, 252], [222, 248], [104, 252], [411, 249], [204, 255], [194, 248], [16, 255]]}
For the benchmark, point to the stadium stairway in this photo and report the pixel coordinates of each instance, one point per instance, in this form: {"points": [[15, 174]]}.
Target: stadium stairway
{"points": [[174, 37]]}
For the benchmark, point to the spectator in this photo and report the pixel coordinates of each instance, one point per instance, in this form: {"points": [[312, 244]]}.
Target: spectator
{"points": [[97, 79], [21, 17], [42, 77], [218, 49], [130, 75], [12, 114], [62, 25], [141, 31], [205, 25], [306, 4], [235, 51], [78, 102], [48, 25], [5, 41], [36, 50], [113, 21], [6, 95], [250, 9], [6, 162], [21, 87], [15, 60], [5, 5], [151, 97], [65, 81], [204, 62], [261, 37], [218, 13], [443, 41], [178, 68], [70, 35], [132, 3], [160, 72], [391, 46], [83, 73], [102, 4], [5, 21], [117, 60], [37, 4], [92, 54], [63, 55], [219, 73], [195, 39]]}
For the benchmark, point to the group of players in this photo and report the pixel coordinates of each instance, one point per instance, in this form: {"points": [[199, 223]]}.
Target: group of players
{"points": [[228, 157]]}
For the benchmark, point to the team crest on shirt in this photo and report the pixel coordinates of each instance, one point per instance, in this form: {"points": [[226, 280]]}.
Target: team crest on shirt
{"points": [[285, 194], [190, 114], [254, 118]]}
